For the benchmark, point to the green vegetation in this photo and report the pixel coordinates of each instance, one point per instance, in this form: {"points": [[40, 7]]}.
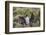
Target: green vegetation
{"points": [[23, 11]]}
